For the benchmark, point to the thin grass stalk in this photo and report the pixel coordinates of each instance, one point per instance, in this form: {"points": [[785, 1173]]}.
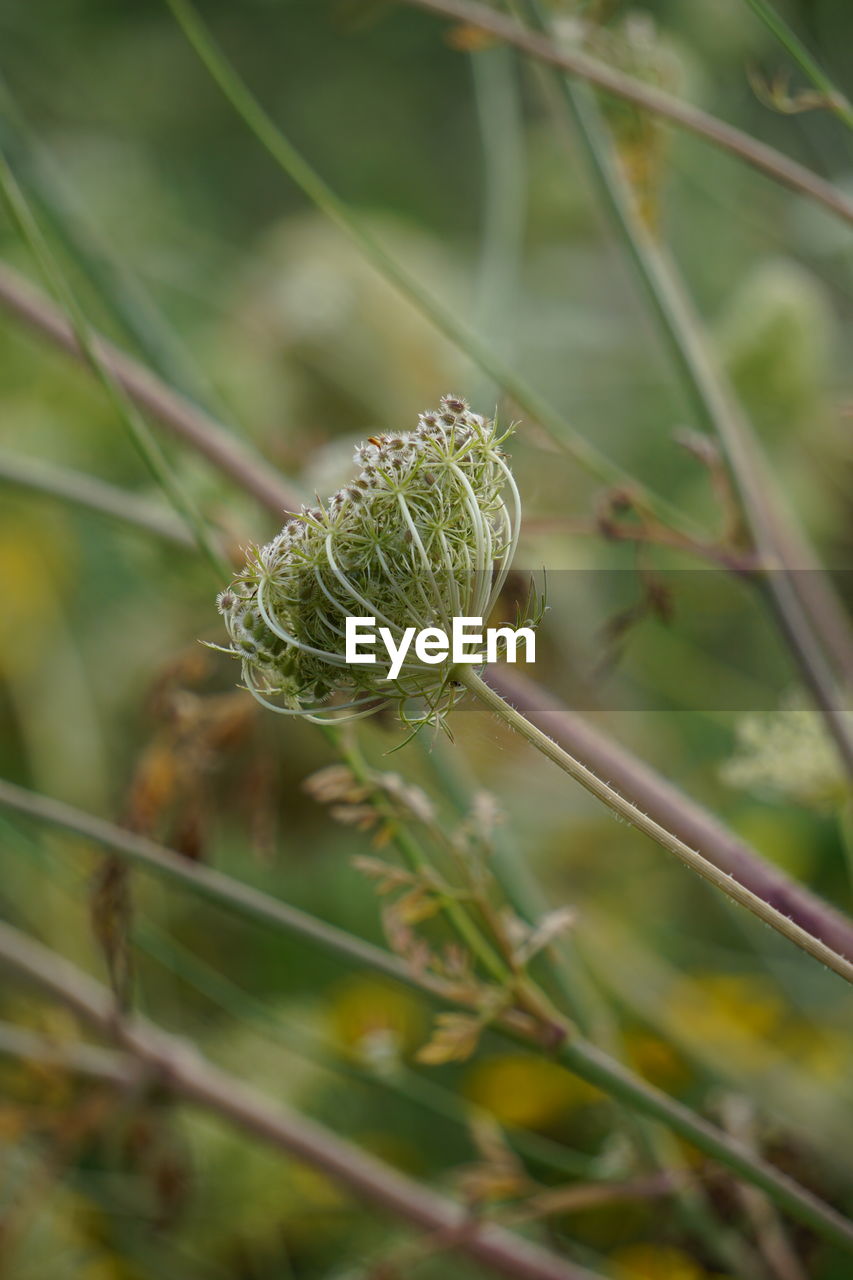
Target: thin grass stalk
{"points": [[127, 300], [654, 1146], [652, 990], [148, 448], [597, 1068], [83, 490], [684, 115], [183, 419], [443, 317], [230, 998], [658, 797], [407, 1084], [206, 882], [104, 1066], [500, 119]]}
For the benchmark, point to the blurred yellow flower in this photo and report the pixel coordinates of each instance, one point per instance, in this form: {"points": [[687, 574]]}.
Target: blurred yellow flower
{"points": [[28, 567], [375, 1021], [657, 1061], [821, 1052], [525, 1092], [726, 1009], [654, 1262]]}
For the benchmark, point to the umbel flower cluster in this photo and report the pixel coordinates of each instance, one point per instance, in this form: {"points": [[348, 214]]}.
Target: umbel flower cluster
{"points": [[425, 532]]}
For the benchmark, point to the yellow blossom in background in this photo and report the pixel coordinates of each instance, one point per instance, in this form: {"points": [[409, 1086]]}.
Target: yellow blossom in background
{"points": [[374, 1021], [726, 1010], [31, 565], [654, 1262], [825, 1054], [657, 1061], [525, 1092]]}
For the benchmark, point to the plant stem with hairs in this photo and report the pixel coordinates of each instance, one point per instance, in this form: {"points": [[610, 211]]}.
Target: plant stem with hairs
{"points": [[426, 531], [658, 797], [627, 810]]}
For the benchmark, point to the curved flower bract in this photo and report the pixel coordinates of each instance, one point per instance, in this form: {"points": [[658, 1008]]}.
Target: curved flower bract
{"points": [[424, 533]]}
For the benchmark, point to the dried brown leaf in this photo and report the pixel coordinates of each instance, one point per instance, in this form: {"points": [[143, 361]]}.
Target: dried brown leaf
{"points": [[335, 783], [544, 933], [455, 1038]]}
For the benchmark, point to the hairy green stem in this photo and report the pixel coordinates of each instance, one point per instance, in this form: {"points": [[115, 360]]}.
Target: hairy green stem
{"points": [[666, 839]]}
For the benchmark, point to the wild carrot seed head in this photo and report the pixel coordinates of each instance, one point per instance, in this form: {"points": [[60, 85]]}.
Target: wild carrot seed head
{"points": [[426, 531]]}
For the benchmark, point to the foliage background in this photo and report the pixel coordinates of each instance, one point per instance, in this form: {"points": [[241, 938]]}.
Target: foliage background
{"points": [[107, 701]]}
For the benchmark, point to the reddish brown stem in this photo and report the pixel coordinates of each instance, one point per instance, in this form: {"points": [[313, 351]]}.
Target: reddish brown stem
{"points": [[187, 1074], [154, 397], [645, 96]]}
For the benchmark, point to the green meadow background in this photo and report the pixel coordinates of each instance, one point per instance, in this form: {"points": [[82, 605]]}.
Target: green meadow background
{"points": [[187, 245]]}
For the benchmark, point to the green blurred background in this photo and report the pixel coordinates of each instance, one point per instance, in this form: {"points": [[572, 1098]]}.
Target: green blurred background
{"points": [[190, 247]]}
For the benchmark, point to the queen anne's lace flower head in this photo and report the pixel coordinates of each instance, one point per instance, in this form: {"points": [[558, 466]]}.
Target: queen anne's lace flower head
{"points": [[424, 533]]}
